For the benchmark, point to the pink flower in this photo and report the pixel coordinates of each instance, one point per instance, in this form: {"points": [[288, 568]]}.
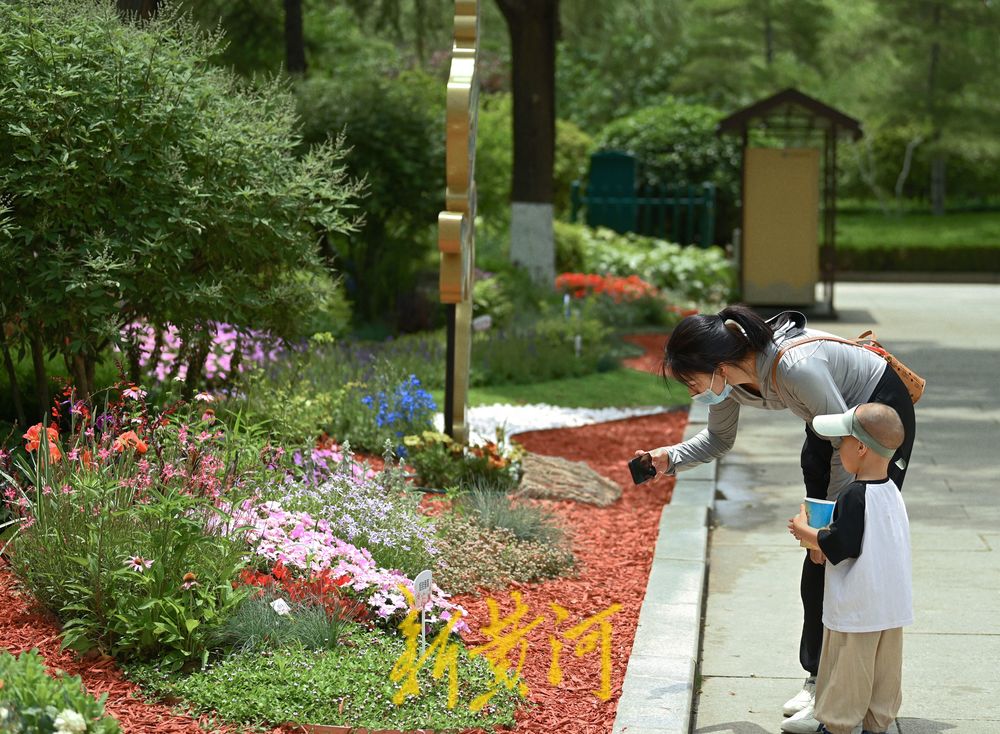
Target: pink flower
{"points": [[138, 563], [134, 392]]}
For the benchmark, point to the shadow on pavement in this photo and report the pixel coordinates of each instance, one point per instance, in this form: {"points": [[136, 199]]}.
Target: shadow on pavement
{"points": [[736, 727]]}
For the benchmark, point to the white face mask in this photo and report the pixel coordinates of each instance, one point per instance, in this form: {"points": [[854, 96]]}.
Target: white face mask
{"points": [[713, 398]]}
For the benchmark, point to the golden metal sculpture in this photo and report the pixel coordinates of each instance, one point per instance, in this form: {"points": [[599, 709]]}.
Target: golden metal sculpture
{"points": [[456, 225]]}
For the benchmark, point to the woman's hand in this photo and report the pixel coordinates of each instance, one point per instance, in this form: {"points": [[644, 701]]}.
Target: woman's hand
{"points": [[661, 459]]}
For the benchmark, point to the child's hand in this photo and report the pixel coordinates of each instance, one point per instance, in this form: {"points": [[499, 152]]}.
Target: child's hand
{"points": [[799, 527], [799, 524], [817, 556]]}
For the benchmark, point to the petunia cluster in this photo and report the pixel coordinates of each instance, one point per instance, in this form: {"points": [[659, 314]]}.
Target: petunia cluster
{"points": [[306, 544]]}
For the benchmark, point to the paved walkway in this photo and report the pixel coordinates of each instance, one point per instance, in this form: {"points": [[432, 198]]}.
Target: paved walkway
{"points": [[951, 679], [748, 643]]}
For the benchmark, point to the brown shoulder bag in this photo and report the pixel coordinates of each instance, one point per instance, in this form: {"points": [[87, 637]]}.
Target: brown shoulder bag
{"points": [[914, 383]]}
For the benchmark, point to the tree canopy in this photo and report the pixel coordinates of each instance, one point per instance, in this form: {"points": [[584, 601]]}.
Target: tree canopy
{"points": [[146, 183]]}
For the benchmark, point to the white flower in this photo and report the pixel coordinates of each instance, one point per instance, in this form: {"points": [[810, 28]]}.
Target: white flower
{"points": [[70, 722], [204, 397], [4, 713], [281, 607]]}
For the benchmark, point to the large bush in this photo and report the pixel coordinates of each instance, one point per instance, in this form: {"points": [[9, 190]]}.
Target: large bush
{"points": [[676, 143], [394, 129], [147, 184]]}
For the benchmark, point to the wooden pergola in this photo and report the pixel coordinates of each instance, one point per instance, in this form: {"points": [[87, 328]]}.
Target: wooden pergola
{"points": [[796, 118]]}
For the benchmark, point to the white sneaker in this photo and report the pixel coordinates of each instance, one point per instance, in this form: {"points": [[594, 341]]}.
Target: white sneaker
{"points": [[802, 699], [802, 723]]}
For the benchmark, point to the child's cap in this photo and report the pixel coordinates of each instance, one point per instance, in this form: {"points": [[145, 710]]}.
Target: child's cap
{"points": [[847, 424]]}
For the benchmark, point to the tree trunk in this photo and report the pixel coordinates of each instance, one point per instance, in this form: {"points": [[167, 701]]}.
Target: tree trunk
{"points": [[768, 36], [295, 48], [196, 364], [533, 27], [15, 389], [38, 362], [79, 371], [420, 21], [904, 172], [937, 184]]}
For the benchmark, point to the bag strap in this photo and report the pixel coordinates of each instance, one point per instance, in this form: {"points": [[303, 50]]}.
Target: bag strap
{"points": [[868, 336]]}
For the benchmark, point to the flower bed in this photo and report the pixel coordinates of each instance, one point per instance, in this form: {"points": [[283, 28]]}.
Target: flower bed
{"points": [[298, 604]]}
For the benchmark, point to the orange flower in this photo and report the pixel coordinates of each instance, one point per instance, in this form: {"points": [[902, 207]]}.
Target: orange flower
{"points": [[87, 459], [129, 439], [33, 436]]}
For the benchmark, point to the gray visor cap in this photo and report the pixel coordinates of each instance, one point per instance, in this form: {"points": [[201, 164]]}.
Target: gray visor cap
{"points": [[847, 424]]}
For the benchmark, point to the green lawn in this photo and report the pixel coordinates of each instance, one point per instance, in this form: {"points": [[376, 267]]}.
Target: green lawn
{"points": [[965, 229], [621, 388]]}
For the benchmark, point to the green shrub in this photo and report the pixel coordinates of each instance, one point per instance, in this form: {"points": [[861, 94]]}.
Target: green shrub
{"points": [[494, 159], [471, 556], [33, 702], [690, 274], [441, 463], [393, 128], [571, 247], [971, 164], [919, 258], [544, 349], [675, 143], [346, 686]]}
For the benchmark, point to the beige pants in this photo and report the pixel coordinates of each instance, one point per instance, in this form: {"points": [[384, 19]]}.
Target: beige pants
{"points": [[860, 677]]}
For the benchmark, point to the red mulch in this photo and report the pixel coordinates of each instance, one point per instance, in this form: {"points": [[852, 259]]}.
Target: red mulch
{"points": [[23, 626], [614, 550], [653, 358]]}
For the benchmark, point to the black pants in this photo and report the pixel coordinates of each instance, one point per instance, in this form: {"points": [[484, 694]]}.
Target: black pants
{"points": [[816, 455]]}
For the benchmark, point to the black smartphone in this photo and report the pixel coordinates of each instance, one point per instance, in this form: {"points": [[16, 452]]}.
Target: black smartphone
{"points": [[642, 468]]}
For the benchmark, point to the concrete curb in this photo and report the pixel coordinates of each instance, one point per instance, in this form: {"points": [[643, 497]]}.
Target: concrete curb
{"points": [[658, 690]]}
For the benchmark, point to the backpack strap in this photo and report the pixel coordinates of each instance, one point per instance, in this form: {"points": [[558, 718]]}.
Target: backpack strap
{"points": [[865, 341]]}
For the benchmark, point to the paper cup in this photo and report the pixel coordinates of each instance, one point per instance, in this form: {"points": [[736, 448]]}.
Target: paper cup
{"points": [[819, 514]]}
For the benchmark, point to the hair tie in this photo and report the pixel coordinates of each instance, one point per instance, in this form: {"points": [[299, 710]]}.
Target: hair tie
{"points": [[728, 323]]}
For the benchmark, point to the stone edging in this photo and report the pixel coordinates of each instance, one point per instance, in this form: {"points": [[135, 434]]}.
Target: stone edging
{"points": [[658, 691]]}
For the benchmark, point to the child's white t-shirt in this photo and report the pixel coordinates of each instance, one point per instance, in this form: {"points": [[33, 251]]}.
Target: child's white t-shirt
{"points": [[868, 577]]}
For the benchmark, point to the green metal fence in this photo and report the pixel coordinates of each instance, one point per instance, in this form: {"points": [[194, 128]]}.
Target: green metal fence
{"points": [[681, 213]]}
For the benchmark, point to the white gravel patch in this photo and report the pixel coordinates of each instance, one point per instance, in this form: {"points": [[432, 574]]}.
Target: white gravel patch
{"points": [[485, 419]]}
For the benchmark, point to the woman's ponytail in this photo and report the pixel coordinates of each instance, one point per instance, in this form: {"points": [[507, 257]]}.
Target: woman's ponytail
{"points": [[753, 328], [700, 343]]}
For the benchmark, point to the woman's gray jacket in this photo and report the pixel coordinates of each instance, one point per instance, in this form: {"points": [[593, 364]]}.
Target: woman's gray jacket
{"points": [[817, 378]]}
